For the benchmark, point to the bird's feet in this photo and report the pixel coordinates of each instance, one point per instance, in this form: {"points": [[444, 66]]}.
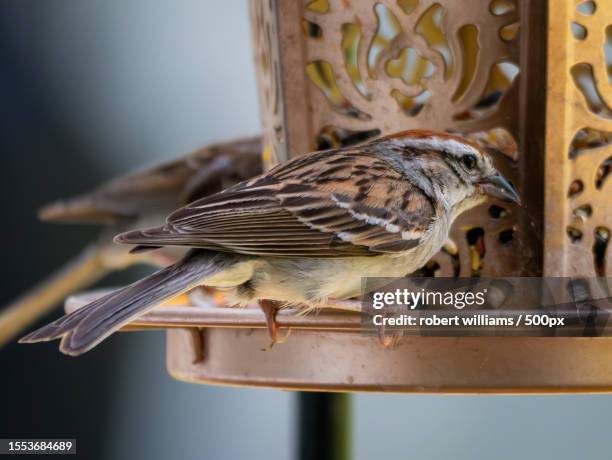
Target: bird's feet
{"points": [[270, 309], [389, 341]]}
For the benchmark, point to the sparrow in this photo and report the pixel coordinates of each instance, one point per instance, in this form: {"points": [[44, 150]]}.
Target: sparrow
{"points": [[135, 200], [305, 232]]}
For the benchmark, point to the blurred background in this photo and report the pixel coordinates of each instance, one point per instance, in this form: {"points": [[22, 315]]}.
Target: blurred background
{"points": [[90, 89]]}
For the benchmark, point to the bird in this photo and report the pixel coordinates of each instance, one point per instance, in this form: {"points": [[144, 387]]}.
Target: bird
{"points": [[135, 200], [304, 232]]}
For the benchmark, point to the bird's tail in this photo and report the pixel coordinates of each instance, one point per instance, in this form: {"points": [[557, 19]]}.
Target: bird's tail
{"points": [[86, 327], [84, 270]]}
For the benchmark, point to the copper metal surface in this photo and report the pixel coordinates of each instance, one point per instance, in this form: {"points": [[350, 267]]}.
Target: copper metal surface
{"points": [[207, 314], [326, 351], [579, 137], [352, 362]]}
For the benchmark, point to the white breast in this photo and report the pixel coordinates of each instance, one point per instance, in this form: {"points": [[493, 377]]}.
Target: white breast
{"points": [[311, 281]]}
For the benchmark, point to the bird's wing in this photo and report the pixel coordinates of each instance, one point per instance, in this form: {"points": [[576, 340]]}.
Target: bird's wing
{"points": [[219, 166], [162, 186], [125, 197], [321, 205]]}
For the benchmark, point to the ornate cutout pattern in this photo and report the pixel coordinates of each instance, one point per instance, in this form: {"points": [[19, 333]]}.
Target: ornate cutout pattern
{"points": [[268, 77], [425, 64], [586, 140], [415, 64]]}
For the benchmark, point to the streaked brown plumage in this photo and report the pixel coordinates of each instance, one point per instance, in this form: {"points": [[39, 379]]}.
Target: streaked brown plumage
{"points": [[302, 209], [307, 230]]}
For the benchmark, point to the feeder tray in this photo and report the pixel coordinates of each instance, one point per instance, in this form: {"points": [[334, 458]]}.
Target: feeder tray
{"points": [[326, 351]]}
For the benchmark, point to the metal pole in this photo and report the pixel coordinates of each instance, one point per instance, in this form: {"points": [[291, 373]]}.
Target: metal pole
{"points": [[324, 426]]}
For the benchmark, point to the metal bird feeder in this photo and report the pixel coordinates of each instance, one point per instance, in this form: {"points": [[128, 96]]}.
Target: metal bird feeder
{"points": [[532, 78]]}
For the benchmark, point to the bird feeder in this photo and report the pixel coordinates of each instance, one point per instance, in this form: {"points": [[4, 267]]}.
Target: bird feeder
{"points": [[532, 80]]}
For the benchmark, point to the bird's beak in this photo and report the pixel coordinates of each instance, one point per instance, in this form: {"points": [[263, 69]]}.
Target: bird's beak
{"points": [[497, 186]]}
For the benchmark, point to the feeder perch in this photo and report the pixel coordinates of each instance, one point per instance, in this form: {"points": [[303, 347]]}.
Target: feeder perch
{"points": [[531, 79]]}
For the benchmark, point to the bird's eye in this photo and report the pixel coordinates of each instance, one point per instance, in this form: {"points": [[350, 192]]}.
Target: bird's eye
{"points": [[469, 161]]}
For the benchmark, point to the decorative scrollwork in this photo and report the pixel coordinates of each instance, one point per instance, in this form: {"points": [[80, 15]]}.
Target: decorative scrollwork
{"points": [[393, 66], [386, 66], [589, 145]]}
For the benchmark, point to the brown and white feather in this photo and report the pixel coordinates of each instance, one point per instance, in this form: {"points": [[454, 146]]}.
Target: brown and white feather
{"points": [[326, 204]]}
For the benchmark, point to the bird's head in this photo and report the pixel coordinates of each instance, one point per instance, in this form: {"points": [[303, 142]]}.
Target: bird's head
{"points": [[455, 170]]}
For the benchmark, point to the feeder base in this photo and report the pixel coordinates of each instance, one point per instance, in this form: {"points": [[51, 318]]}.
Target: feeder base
{"points": [[326, 351], [348, 361]]}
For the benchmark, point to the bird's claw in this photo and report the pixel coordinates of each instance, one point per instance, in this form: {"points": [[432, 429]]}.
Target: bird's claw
{"points": [[270, 310], [389, 341]]}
